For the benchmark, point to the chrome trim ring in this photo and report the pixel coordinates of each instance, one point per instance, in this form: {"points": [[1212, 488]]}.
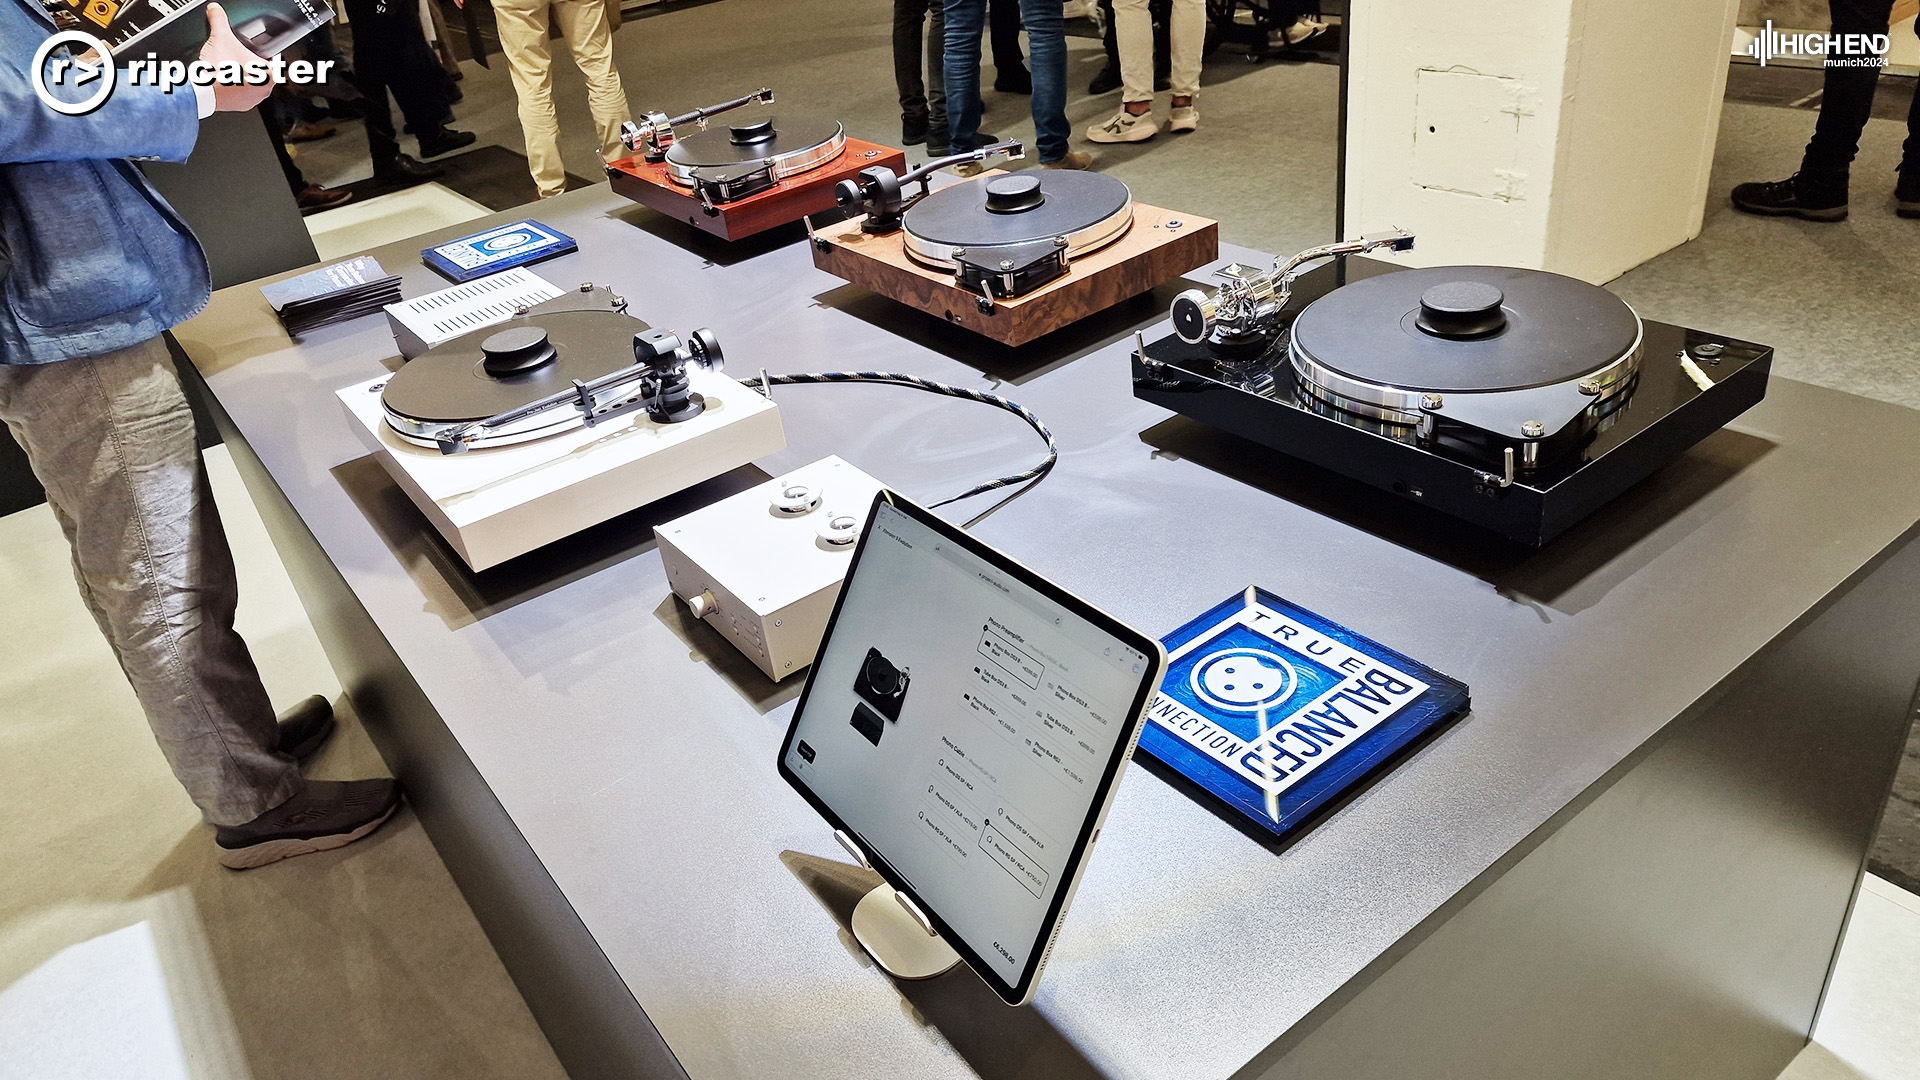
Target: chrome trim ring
{"points": [[1401, 405], [1091, 238], [784, 165]]}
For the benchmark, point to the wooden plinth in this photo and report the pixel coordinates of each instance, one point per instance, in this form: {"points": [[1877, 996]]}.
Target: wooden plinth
{"points": [[1159, 247], [811, 192]]}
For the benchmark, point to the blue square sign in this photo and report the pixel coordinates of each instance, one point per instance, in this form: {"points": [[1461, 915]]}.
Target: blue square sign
{"points": [[1278, 711]]}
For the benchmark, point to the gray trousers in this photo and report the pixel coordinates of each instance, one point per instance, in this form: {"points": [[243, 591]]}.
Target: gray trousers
{"points": [[112, 440]]}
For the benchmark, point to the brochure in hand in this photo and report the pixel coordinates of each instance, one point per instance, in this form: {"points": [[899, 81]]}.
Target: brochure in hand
{"points": [[332, 294], [1278, 712], [176, 29]]}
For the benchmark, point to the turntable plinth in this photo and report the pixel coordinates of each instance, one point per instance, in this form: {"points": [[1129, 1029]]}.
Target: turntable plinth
{"points": [[811, 192], [1161, 245]]}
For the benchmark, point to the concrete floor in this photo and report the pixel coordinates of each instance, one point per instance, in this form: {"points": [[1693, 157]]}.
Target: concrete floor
{"points": [[125, 951], [128, 953]]}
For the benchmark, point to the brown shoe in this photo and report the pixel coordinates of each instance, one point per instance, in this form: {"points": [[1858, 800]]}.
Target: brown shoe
{"points": [[1075, 159], [325, 815], [315, 198], [310, 130]]}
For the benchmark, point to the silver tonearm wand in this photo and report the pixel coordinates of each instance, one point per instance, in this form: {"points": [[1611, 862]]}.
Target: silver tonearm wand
{"points": [[652, 135], [1249, 303]]}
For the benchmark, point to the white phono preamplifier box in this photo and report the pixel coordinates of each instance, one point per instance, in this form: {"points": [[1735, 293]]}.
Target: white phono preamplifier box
{"points": [[764, 566]]}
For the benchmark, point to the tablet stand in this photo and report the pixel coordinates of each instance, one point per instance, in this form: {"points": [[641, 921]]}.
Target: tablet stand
{"points": [[903, 945]]}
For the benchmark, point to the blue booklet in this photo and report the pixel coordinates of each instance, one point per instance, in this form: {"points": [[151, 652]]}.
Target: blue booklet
{"points": [[500, 248], [1278, 712]]}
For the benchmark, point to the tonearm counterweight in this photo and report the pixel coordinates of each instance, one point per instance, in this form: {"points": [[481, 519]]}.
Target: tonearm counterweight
{"points": [[882, 196]]}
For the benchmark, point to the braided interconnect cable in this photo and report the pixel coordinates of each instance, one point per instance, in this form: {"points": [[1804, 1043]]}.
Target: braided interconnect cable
{"points": [[895, 378]]}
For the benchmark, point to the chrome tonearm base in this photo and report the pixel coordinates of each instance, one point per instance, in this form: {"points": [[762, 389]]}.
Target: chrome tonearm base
{"points": [[652, 134], [1249, 302]]}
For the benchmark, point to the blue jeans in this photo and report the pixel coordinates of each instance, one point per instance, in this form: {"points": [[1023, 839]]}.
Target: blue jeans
{"points": [[1046, 56]]}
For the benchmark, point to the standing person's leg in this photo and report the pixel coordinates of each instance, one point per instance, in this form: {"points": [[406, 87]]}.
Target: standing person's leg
{"points": [[1047, 58], [523, 38], [960, 70], [112, 440], [1108, 78], [423, 90], [909, 20], [939, 131], [1846, 99], [1162, 12], [1009, 67], [1133, 28], [1187, 41], [1818, 192], [590, 36]]}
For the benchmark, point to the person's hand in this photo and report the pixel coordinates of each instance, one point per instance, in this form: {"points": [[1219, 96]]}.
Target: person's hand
{"points": [[223, 47]]}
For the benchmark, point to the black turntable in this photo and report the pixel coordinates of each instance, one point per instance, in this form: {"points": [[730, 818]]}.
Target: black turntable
{"points": [[1516, 399], [746, 158], [543, 373]]}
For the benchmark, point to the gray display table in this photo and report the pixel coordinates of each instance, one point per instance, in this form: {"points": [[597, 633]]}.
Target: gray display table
{"points": [[1634, 858]]}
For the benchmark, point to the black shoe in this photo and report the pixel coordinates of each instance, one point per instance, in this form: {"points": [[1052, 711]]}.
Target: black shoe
{"points": [[326, 814], [1906, 194], [445, 141], [1106, 82], [306, 726], [913, 132], [404, 171], [1796, 196], [1019, 81]]}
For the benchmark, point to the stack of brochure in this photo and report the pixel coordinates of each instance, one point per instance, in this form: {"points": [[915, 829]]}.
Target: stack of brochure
{"points": [[332, 294]]}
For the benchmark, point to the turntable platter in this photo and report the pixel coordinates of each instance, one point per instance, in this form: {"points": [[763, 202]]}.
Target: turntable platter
{"points": [[1464, 329], [792, 145], [450, 384], [1089, 209]]}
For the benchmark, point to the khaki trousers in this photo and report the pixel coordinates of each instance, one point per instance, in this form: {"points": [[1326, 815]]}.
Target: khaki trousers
{"points": [[1133, 38], [523, 38], [111, 439]]}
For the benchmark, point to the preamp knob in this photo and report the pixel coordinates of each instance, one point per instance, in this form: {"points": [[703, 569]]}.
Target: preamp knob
{"points": [[703, 605]]}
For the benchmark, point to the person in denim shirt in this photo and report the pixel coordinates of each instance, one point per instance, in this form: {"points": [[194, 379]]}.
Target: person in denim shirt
{"points": [[94, 267]]}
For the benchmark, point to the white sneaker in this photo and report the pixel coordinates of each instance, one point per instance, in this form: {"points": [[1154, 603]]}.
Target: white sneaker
{"points": [[1184, 118], [1304, 27], [1125, 127]]}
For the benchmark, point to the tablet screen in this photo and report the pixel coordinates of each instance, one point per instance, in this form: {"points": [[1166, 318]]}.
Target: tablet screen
{"points": [[966, 721]]}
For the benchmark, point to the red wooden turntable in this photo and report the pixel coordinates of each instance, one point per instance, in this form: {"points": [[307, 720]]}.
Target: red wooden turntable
{"points": [[651, 184]]}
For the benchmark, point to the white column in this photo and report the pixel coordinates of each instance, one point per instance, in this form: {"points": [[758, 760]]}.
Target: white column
{"points": [[1566, 135]]}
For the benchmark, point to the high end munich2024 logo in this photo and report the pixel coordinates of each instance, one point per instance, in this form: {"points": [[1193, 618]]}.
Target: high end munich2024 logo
{"points": [[1835, 50]]}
